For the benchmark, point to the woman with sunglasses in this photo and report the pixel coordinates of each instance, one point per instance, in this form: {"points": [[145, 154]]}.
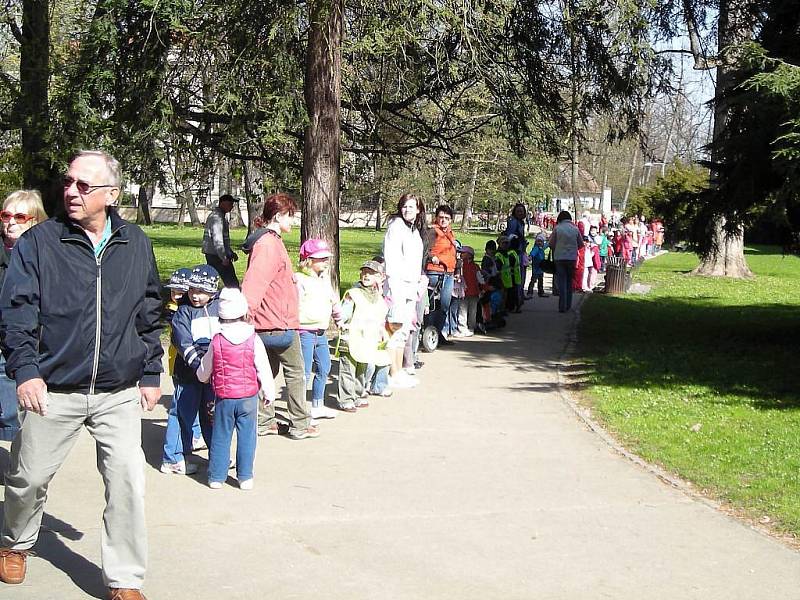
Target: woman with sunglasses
{"points": [[21, 211]]}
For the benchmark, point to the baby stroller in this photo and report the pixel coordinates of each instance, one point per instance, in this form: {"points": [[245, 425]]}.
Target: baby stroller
{"points": [[428, 331]]}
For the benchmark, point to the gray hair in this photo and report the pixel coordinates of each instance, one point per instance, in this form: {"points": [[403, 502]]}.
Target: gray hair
{"points": [[113, 169]]}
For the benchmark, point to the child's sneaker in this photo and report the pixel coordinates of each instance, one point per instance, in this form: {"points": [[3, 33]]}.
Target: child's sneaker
{"points": [[362, 403], [246, 484], [385, 393], [215, 485], [178, 468], [322, 412], [402, 380], [348, 407]]}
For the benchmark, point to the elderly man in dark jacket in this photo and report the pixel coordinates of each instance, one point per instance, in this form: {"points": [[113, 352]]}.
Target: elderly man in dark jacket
{"points": [[80, 332]]}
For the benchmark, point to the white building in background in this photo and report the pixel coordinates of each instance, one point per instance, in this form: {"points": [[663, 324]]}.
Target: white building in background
{"points": [[591, 195]]}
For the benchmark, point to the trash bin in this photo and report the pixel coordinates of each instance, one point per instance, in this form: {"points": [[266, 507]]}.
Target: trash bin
{"points": [[615, 275]]}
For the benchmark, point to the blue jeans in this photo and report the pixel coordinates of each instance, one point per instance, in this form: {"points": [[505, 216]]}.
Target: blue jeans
{"points": [[188, 400], [9, 423], [316, 352], [443, 323], [376, 379], [565, 270], [230, 414]]}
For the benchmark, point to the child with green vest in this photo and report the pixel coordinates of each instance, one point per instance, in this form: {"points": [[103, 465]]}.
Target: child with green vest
{"points": [[508, 265], [363, 336]]}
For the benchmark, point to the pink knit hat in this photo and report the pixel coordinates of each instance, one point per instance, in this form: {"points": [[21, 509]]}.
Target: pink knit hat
{"points": [[315, 248]]}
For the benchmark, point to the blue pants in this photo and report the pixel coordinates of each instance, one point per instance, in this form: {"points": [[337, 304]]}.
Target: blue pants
{"points": [[188, 400], [565, 270], [316, 353], [443, 323], [376, 379], [229, 414], [9, 423]]}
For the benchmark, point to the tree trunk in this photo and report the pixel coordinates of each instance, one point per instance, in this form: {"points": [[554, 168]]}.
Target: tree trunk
{"points": [[629, 183], [184, 189], [377, 163], [250, 198], [470, 200], [33, 106], [439, 190], [322, 143], [725, 257], [146, 192]]}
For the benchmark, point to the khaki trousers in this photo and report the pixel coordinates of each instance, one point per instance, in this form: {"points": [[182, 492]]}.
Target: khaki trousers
{"points": [[114, 421]]}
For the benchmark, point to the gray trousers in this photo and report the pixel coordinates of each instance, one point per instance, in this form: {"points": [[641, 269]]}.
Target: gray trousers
{"points": [[283, 349], [351, 383], [114, 421]]}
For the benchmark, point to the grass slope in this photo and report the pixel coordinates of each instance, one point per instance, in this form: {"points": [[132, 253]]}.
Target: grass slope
{"points": [[701, 376]]}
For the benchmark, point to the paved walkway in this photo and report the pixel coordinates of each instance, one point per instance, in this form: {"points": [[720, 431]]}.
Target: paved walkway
{"points": [[480, 484]]}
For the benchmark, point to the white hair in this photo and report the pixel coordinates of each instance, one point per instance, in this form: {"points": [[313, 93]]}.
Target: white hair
{"points": [[113, 169]]}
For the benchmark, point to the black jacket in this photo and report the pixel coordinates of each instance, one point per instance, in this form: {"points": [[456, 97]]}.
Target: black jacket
{"points": [[83, 324]]}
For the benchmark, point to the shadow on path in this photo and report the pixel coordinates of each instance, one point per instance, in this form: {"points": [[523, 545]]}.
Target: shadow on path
{"points": [[50, 547]]}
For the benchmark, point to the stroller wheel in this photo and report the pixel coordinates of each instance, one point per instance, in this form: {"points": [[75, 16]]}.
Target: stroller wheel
{"points": [[430, 338]]}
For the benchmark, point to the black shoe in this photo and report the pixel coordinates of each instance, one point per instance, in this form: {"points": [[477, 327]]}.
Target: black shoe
{"points": [[543, 296], [419, 364]]}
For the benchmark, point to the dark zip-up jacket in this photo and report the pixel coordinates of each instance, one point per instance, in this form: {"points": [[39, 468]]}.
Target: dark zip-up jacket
{"points": [[192, 330], [82, 323]]}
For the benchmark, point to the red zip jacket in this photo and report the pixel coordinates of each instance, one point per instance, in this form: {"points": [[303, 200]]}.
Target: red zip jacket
{"points": [[269, 285]]}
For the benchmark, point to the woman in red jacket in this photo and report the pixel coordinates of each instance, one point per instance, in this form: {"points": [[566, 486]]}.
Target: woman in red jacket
{"points": [[274, 307]]}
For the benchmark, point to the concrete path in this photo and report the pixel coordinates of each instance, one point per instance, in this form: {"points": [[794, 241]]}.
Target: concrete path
{"points": [[479, 484]]}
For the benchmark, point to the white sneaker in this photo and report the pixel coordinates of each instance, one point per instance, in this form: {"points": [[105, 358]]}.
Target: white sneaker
{"points": [[178, 468], [322, 412], [468, 333], [402, 381], [247, 484], [215, 485]]}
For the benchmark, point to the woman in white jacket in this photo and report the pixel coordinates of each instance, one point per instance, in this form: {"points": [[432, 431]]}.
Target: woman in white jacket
{"points": [[402, 253]]}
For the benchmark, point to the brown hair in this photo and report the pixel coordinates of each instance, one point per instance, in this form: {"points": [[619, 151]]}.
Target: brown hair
{"points": [[420, 223], [278, 203]]}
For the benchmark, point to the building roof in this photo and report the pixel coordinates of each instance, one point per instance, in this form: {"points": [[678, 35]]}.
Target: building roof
{"points": [[587, 184]]}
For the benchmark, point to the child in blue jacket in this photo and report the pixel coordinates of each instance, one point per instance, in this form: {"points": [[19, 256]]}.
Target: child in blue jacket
{"points": [[193, 325], [537, 274]]}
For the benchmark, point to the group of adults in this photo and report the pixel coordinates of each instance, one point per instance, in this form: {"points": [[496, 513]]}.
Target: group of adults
{"points": [[420, 256]]}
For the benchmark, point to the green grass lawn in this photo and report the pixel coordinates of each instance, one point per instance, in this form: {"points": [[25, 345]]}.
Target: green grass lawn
{"points": [[701, 376], [180, 247]]}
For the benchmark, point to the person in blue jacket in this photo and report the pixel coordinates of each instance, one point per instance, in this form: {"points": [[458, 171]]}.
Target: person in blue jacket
{"points": [[193, 325]]}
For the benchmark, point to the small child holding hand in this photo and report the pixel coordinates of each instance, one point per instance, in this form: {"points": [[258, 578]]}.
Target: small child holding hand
{"points": [[238, 367]]}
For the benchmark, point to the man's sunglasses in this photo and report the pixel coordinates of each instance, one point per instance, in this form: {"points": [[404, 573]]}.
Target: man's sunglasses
{"points": [[20, 218], [83, 187]]}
